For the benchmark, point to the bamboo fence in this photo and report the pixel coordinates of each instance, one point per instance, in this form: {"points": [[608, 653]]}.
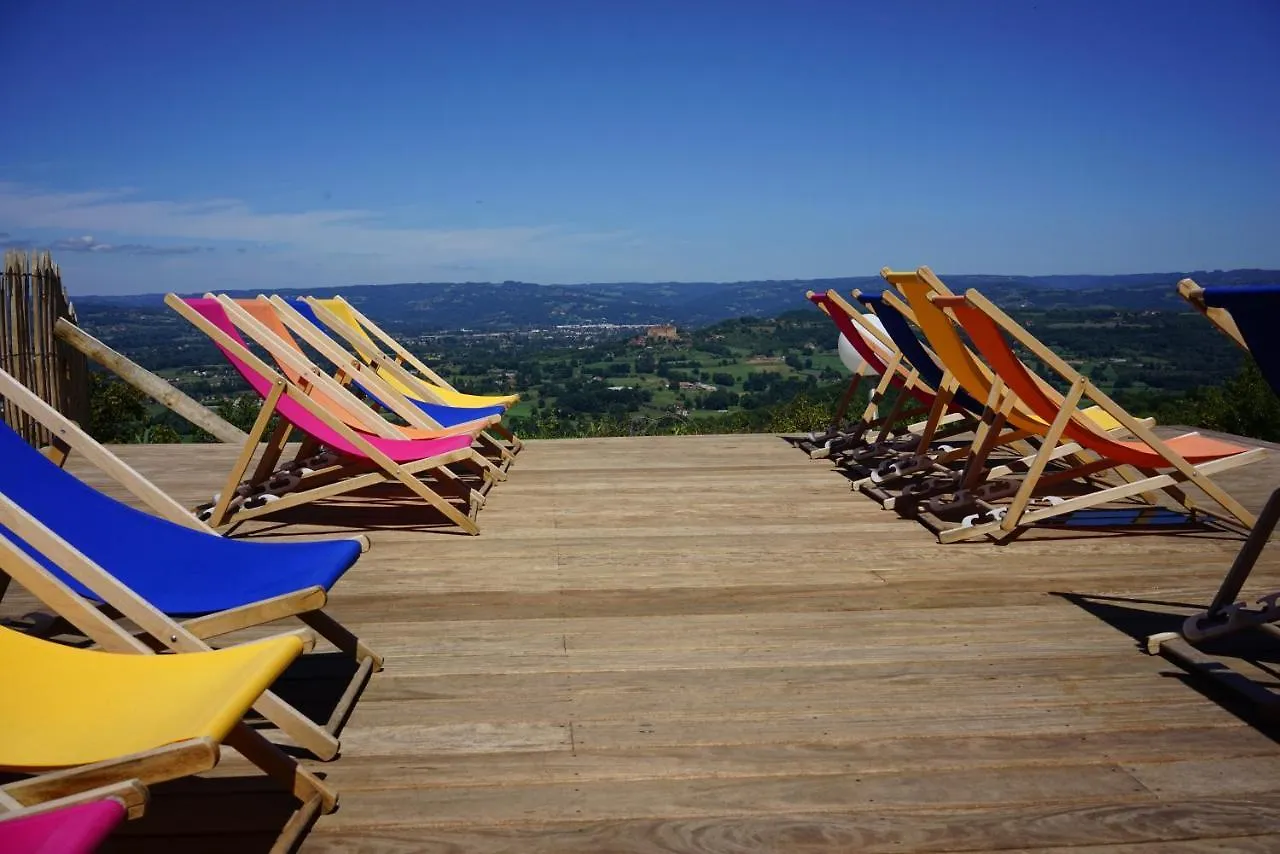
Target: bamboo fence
{"points": [[32, 300]]}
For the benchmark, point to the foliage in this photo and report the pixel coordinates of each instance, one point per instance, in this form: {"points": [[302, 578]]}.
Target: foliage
{"points": [[117, 410], [1244, 405]]}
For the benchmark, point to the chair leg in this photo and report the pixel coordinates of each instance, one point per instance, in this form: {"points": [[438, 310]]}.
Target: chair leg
{"points": [[1248, 555], [300, 782]]}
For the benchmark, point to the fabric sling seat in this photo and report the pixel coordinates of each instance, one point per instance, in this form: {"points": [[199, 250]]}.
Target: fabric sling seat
{"points": [[872, 355], [79, 720], [987, 336], [179, 570], [398, 450], [446, 415], [448, 395], [970, 373], [261, 321], [1253, 310], [75, 829], [913, 351], [1193, 458]]}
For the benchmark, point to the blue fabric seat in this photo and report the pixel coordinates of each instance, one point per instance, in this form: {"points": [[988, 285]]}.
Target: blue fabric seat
{"points": [[179, 570], [913, 351], [1255, 310]]}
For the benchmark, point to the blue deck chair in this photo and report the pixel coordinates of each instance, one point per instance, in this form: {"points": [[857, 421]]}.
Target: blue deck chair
{"points": [[1246, 315], [212, 584], [1253, 310], [444, 415], [912, 350]]}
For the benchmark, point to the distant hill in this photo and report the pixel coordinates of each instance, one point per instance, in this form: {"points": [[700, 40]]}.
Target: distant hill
{"points": [[512, 305]]}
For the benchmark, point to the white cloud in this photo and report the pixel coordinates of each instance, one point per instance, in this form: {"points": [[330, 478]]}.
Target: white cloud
{"points": [[138, 222]]}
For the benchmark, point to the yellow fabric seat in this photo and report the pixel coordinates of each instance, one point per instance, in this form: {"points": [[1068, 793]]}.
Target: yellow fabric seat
{"points": [[446, 395], [66, 706]]}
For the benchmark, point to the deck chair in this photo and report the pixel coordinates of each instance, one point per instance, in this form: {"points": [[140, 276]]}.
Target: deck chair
{"points": [[1246, 315], [259, 320], [1003, 422], [401, 369], [78, 720], [334, 458], [123, 559], [76, 824], [841, 432], [950, 406], [877, 428], [1193, 458]]}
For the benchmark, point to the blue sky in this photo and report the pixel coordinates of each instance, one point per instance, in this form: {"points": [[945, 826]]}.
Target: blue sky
{"points": [[163, 145]]}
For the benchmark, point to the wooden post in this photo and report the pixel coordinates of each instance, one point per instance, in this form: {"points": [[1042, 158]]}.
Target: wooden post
{"points": [[31, 300], [150, 384]]}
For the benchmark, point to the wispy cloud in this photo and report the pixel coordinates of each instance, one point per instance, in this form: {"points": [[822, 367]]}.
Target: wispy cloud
{"points": [[87, 243], [139, 224]]}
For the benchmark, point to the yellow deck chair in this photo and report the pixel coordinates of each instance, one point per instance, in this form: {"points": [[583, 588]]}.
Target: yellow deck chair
{"points": [[408, 374], [184, 637], [438, 386], [77, 720]]}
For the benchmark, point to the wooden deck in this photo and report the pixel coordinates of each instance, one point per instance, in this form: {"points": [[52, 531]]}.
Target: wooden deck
{"points": [[713, 644]]}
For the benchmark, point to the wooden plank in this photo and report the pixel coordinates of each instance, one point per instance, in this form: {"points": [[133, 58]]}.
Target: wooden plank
{"points": [[686, 798]]}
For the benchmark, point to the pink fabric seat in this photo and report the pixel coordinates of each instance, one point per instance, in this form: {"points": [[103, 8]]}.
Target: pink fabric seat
{"points": [[399, 450], [78, 829]]}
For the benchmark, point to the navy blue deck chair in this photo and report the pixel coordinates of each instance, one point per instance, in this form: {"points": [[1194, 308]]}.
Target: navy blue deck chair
{"points": [[1247, 315], [912, 350]]}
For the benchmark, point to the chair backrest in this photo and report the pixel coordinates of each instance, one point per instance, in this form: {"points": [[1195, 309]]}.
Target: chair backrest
{"points": [[140, 550], [352, 412], [985, 329], [912, 350], [1256, 312], [261, 378], [873, 352]]}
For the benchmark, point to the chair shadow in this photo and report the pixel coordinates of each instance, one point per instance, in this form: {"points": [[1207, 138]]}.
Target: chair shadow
{"points": [[1128, 616], [245, 814], [347, 515], [314, 685]]}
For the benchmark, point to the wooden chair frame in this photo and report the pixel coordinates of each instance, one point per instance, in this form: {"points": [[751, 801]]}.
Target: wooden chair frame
{"points": [[165, 632], [337, 479], [993, 429], [397, 365], [895, 424], [1226, 615], [306, 604], [122, 777], [130, 794], [1019, 514], [370, 421]]}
